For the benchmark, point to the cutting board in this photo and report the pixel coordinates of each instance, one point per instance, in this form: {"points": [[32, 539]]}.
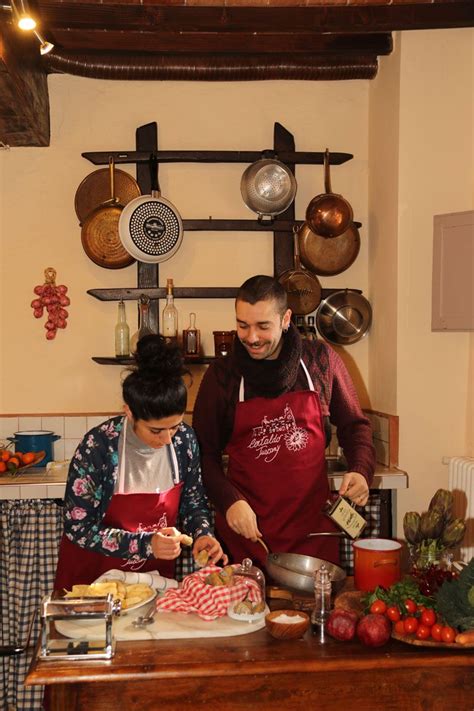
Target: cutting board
{"points": [[166, 625]]}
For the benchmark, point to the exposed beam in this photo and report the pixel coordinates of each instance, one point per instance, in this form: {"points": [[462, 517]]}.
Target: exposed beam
{"points": [[24, 101]]}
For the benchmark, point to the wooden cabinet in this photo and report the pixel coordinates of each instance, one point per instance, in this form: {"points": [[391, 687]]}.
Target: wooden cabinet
{"points": [[148, 281]]}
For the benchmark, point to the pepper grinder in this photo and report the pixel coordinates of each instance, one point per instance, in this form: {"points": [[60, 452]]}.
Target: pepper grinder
{"points": [[322, 600]]}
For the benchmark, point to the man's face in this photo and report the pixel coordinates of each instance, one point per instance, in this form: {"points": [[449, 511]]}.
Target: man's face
{"points": [[260, 327]]}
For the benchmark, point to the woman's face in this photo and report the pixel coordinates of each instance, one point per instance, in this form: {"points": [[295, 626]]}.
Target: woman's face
{"points": [[155, 433]]}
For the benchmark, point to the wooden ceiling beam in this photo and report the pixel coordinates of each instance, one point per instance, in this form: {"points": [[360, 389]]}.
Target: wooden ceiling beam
{"points": [[344, 19], [24, 101], [217, 43]]}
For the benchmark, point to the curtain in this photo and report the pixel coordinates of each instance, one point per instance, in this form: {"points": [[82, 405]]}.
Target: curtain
{"points": [[30, 533]]}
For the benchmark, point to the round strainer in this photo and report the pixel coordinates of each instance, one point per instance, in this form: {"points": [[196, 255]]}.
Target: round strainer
{"points": [[268, 187]]}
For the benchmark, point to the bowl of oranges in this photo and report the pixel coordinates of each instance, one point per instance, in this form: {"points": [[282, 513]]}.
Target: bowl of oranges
{"points": [[15, 462]]}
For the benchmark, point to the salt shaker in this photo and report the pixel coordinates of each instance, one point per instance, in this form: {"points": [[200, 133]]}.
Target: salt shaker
{"points": [[322, 602]]}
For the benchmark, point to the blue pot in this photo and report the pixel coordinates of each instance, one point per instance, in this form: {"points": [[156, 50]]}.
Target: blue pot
{"points": [[35, 441]]}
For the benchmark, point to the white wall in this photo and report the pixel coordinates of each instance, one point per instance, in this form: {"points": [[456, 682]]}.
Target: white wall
{"points": [[432, 174], [39, 227]]}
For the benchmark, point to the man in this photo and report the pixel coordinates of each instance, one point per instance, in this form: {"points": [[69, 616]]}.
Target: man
{"points": [[269, 406]]}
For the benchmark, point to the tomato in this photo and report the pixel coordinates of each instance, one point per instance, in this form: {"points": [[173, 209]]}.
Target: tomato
{"points": [[393, 613], [399, 627], [448, 635], [436, 631], [410, 606], [410, 625], [428, 617], [378, 607], [422, 632], [28, 457]]}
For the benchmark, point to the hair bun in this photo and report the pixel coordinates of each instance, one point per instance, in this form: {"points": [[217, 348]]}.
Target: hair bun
{"points": [[155, 358]]}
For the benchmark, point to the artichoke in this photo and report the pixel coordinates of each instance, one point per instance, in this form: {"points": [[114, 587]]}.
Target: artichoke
{"points": [[431, 524], [411, 527], [442, 501], [454, 533]]}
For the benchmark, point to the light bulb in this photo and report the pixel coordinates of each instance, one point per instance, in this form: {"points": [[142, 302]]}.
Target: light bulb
{"points": [[26, 23]]}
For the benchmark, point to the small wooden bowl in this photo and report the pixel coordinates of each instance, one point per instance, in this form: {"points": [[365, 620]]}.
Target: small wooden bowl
{"points": [[287, 630]]}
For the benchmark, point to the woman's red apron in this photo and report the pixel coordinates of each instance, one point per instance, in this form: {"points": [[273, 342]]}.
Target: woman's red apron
{"points": [[129, 512], [277, 462]]}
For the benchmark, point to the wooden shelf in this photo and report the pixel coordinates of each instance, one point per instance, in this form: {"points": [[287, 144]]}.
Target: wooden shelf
{"points": [[183, 292], [111, 360], [285, 156]]}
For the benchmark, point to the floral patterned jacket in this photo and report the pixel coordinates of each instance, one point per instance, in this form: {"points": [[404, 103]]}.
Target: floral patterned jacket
{"points": [[91, 480]]}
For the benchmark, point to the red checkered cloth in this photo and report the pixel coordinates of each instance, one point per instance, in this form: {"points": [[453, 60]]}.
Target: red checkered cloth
{"points": [[208, 601]]}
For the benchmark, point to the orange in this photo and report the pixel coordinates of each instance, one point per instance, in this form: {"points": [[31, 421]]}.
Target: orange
{"points": [[5, 455], [28, 457], [3, 466], [15, 461]]}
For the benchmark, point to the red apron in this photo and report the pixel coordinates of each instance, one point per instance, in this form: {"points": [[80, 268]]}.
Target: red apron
{"points": [[277, 462], [129, 512]]}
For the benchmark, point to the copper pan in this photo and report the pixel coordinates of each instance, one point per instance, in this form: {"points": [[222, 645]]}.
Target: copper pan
{"points": [[302, 287], [100, 235], [95, 190], [329, 214], [327, 257]]}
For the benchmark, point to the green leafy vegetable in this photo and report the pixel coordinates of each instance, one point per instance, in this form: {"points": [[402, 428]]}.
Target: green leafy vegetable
{"points": [[455, 599], [397, 593]]}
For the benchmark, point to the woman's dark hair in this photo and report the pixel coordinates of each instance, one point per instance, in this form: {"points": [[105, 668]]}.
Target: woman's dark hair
{"points": [[263, 288], [155, 387]]}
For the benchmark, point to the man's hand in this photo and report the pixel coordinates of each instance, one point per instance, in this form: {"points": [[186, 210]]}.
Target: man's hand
{"points": [[242, 519], [355, 487]]}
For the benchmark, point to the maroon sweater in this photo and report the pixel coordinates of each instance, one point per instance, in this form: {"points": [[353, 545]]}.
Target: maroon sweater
{"points": [[218, 394]]}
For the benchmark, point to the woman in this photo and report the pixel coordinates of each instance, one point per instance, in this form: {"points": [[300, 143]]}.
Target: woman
{"points": [[132, 477]]}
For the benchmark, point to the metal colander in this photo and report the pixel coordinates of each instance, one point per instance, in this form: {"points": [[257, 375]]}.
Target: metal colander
{"points": [[268, 187]]}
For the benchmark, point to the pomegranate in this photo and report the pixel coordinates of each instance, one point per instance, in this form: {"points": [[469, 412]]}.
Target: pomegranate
{"points": [[342, 624], [374, 630]]}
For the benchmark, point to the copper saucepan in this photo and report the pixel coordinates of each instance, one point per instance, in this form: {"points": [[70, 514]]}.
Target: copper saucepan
{"points": [[302, 287], [329, 214]]}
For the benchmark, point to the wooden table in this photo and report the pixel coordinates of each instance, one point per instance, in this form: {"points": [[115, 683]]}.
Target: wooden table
{"points": [[257, 671]]}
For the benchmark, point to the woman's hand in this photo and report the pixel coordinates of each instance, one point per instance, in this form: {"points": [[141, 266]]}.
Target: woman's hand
{"points": [[213, 548], [242, 519], [165, 544], [355, 487]]}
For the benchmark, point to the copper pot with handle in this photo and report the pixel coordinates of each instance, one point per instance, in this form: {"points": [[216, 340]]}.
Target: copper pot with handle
{"points": [[302, 287], [326, 256], [100, 234], [329, 214]]}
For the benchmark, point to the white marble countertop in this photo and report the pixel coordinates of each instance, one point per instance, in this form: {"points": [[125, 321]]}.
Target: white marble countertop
{"points": [[41, 484]]}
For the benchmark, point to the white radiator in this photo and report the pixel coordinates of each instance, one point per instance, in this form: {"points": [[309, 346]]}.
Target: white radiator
{"points": [[461, 483]]}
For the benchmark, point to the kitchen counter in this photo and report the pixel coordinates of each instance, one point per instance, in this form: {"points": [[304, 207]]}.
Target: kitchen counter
{"points": [[256, 671], [37, 483]]}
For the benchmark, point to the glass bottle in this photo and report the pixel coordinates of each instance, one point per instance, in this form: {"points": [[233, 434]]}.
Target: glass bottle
{"points": [[122, 332], [311, 329], [322, 601], [144, 325], [191, 337], [169, 322]]}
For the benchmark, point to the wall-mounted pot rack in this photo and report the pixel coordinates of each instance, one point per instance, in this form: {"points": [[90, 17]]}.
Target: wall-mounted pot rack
{"points": [[281, 226]]}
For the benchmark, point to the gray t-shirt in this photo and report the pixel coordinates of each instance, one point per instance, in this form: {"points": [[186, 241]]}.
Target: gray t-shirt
{"points": [[146, 470]]}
